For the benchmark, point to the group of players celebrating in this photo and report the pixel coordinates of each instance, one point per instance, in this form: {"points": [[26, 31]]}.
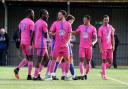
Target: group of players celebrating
{"points": [[34, 36]]}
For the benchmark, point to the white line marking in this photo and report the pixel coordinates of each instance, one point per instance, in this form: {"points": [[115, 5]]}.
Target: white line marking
{"points": [[121, 82]]}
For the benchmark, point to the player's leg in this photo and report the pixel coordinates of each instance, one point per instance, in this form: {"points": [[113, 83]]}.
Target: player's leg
{"points": [[66, 55], [63, 69], [66, 68], [109, 58], [29, 55], [58, 61], [40, 54], [44, 61], [49, 66], [81, 64], [88, 56], [103, 66], [21, 64]]}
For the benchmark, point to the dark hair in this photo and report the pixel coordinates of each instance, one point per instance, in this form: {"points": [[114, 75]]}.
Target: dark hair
{"points": [[42, 12], [105, 16], [29, 11], [70, 17], [88, 17], [63, 12]]}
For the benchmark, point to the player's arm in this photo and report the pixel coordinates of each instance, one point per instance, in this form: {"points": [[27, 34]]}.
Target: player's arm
{"points": [[51, 34], [100, 40], [45, 30], [76, 32], [32, 37], [113, 39], [94, 37], [70, 32], [32, 33], [52, 30]]}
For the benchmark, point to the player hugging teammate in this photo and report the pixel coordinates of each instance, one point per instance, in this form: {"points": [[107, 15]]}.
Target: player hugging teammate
{"points": [[34, 36]]}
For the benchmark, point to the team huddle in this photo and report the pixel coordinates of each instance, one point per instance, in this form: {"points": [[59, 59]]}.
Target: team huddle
{"points": [[34, 36]]}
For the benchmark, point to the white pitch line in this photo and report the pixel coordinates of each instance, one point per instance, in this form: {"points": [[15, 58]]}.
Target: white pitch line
{"points": [[121, 82]]}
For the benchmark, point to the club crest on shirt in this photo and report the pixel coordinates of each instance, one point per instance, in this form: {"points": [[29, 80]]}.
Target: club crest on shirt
{"points": [[85, 35], [61, 32]]}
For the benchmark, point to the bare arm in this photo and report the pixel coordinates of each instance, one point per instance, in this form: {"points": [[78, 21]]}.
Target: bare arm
{"points": [[99, 42], [74, 33], [113, 40], [94, 38], [32, 38]]}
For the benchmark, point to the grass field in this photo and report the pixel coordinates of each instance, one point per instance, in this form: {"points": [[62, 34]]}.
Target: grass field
{"points": [[118, 79]]}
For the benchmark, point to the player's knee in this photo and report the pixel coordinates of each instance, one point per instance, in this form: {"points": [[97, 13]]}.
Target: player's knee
{"points": [[82, 60], [88, 61], [103, 60]]}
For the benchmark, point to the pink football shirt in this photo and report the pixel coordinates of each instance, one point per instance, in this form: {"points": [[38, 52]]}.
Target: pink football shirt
{"points": [[26, 26], [105, 33], [62, 30], [40, 29], [86, 35]]}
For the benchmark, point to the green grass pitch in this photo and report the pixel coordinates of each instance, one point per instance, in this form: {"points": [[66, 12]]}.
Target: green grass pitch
{"points": [[118, 79]]}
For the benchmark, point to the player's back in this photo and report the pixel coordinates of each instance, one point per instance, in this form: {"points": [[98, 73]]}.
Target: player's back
{"points": [[40, 30], [26, 26]]}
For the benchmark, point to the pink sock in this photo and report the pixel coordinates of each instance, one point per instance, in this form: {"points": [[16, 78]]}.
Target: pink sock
{"points": [[66, 67], [30, 65], [104, 69], [88, 67], [36, 72], [40, 68], [63, 68], [81, 66], [22, 63], [107, 65], [49, 66], [53, 64]]}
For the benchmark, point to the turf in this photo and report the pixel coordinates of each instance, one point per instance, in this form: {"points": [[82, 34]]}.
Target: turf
{"points": [[118, 80]]}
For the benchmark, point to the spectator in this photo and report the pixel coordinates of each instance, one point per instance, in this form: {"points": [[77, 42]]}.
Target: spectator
{"points": [[4, 43]]}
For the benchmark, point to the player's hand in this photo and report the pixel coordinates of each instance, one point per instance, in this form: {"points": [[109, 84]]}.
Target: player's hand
{"points": [[93, 44]]}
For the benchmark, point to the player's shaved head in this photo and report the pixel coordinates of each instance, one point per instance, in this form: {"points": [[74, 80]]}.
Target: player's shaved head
{"points": [[44, 14], [30, 13]]}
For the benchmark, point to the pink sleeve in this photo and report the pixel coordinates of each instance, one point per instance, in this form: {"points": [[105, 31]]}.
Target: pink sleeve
{"points": [[94, 31], [32, 26], [100, 32], [53, 28], [45, 27], [78, 29]]}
